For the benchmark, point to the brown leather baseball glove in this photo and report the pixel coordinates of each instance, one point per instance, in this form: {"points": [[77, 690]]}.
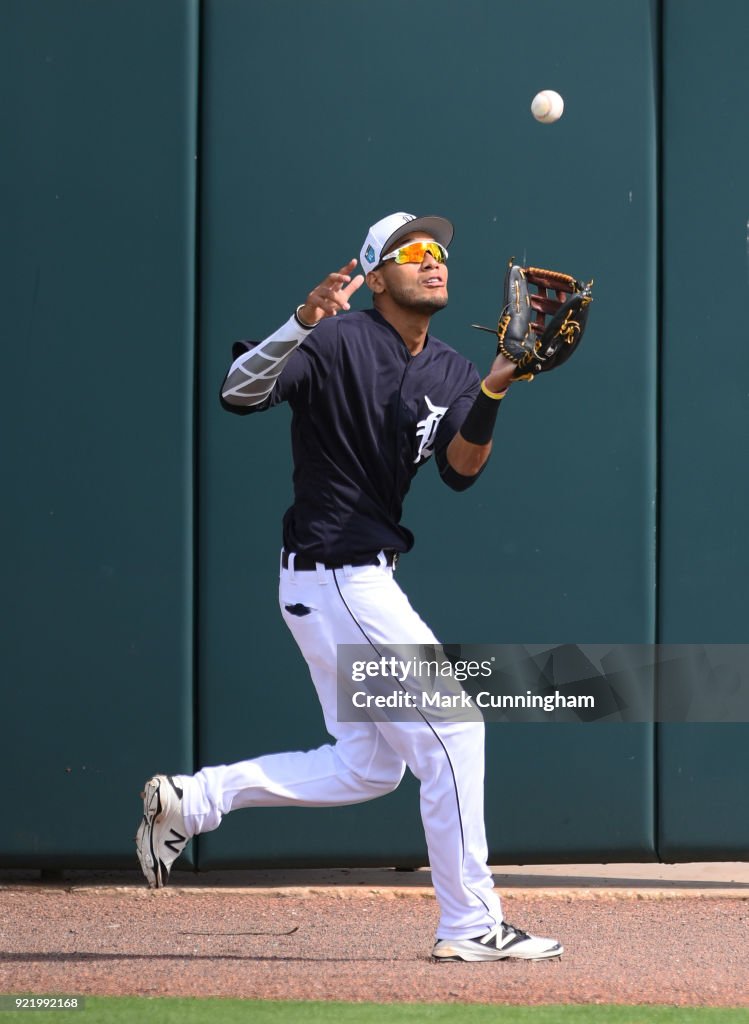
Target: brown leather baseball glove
{"points": [[543, 319]]}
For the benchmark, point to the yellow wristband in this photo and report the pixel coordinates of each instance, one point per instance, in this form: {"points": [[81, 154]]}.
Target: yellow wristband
{"points": [[496, 395]]}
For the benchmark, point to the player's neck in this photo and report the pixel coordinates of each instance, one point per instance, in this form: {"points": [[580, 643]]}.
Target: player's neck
{"points": [[410, 324]]}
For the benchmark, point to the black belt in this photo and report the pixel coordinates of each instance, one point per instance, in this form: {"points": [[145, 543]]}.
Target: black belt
{"points": [[305, 563]]}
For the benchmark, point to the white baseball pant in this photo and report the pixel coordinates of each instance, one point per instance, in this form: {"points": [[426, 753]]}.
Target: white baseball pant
{"points": [[357, 605]]}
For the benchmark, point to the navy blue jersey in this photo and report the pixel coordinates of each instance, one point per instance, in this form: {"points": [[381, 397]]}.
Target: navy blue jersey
{"points": [[366, 415]]}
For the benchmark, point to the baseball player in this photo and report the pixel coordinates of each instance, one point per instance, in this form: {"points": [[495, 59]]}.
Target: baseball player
{"points": [[374, 395]]}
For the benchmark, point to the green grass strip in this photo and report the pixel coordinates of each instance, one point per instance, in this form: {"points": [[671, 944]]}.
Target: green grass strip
{"points": [[126, 1010]]}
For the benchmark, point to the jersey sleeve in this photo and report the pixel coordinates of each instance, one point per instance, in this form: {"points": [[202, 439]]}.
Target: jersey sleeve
{"points": [[451, 423], [467, 390], [304, 370]]}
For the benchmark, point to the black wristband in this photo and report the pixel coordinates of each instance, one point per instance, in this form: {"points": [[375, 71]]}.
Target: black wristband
{"points": [[302, 324], [478, 426]]}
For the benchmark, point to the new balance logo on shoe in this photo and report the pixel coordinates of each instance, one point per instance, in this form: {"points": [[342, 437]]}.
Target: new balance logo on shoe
{"points": [[176, 844]]}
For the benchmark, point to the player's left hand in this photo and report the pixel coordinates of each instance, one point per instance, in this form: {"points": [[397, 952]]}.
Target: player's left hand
{"points": [[331, 295], [500, 375]]}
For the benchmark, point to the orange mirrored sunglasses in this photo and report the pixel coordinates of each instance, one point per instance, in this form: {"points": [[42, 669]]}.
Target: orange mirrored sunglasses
{"points": [[414, 252]]}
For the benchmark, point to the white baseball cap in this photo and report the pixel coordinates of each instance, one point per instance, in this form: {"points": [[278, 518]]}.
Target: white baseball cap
{"points": [[383, 235]]}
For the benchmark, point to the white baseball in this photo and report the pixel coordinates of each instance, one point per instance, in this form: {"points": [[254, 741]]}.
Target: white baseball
{"points": [[547, 106]]}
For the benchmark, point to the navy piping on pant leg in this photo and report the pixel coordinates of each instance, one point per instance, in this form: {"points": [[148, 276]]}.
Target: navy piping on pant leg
{"points": [[429, 726]]}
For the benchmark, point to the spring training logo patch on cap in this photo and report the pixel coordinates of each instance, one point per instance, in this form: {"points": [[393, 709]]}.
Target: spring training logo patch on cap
{"points": [[369, 255]]}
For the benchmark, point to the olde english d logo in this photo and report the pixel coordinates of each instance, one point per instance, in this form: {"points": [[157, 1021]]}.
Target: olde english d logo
{"points": [[426, 429]]}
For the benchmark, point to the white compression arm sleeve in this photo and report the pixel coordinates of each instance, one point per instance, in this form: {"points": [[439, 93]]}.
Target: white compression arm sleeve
{"points": [[252, 376]]}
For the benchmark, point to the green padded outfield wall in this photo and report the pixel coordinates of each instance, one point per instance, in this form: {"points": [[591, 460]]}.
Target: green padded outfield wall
{"points": [[703, 771], [309, 137], [97, 281], [178, 175]]}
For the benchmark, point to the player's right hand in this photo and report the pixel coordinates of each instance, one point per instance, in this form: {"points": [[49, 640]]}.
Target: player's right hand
{"points": [[331, 295]]}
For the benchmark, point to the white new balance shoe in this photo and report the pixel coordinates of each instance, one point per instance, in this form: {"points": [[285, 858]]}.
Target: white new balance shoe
{"points": [[162, 836], [501, 943]]}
